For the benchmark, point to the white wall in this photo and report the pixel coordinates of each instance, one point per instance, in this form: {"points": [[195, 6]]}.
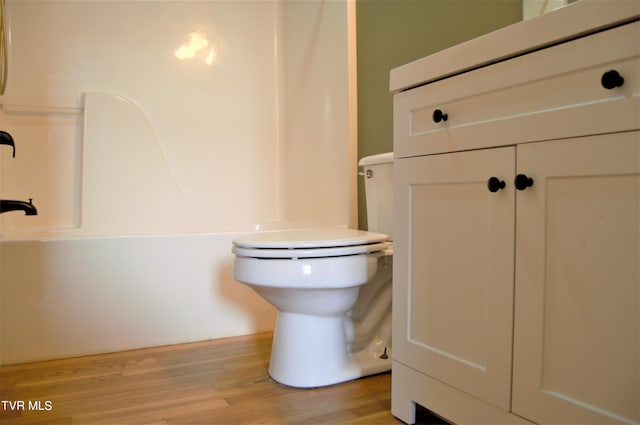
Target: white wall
{"points": [[254, 128]]}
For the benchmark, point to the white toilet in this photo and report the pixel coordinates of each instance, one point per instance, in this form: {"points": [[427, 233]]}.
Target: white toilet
{"points": [[332, 290]]}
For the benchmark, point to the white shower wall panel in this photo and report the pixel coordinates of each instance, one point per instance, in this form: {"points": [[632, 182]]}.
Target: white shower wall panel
{"points": [[49, 161], [319, 91], [202, 74]]}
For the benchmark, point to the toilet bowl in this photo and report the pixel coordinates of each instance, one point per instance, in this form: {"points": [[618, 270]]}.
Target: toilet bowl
{"points": [[332, 290], [313, 277]]}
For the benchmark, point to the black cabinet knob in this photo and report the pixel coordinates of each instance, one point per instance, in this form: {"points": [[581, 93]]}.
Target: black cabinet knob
{"points": [[438, 116], [611, 79], [494, 184], [522, 181]]}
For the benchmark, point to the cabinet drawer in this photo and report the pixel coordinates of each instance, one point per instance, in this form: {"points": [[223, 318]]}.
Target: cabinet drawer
{"points": [[552, 93]]}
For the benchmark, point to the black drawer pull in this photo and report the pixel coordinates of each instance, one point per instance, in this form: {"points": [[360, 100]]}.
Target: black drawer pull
{"points": [[522, 181], [438, 116], [494, 184], [611, 79]]}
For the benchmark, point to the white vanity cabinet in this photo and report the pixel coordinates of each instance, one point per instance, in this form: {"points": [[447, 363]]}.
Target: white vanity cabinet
{"points": [[517, 240]]}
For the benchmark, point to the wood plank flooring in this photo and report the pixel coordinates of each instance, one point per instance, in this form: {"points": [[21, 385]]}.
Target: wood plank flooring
{"points": [[214, 382]]}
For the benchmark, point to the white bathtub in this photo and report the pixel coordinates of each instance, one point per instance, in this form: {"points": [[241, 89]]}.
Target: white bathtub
{"points": [[62, 297]]}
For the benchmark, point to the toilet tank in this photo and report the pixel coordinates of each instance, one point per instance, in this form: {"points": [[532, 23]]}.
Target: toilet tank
{"points": [[378, 187]]}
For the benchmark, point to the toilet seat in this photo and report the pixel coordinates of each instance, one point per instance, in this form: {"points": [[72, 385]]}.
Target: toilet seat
{"points": [[308, 243]]}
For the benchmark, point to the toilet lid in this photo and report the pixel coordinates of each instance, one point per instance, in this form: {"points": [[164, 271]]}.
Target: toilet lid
{"points": [[305, 243]]}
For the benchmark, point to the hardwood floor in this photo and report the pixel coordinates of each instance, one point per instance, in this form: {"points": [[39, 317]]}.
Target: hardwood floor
{"points": [[214, 382]]}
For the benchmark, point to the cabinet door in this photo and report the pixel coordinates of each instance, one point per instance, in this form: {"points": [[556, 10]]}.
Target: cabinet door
{"points": [[453, 272], [576, 356]]}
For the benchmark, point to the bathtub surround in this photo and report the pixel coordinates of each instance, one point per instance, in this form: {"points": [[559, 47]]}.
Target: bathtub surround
{"points": [[147, 149], [226, 102]]}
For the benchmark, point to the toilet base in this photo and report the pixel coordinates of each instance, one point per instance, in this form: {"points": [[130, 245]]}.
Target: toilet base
{"points": [[311, 351]]}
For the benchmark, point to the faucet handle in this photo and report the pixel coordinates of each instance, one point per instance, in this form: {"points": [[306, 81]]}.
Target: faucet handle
{"points": [[6, 139]]}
